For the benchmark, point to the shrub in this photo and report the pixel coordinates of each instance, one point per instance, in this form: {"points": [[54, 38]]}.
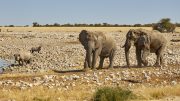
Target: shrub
{"points": [[112, 94], [157, 95], [164, 25]]}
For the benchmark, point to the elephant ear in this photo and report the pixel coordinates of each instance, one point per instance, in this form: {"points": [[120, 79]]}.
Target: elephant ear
{"points": [[144, 41], [83, 37], [129, 34]]}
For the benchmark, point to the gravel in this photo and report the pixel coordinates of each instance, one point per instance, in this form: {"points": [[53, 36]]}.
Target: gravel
{"points": [[62, 51]]}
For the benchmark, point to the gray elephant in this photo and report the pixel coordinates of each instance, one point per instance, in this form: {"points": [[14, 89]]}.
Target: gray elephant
{"points": [[157, 44], [97, 44], [23, 57], [36, 49]]}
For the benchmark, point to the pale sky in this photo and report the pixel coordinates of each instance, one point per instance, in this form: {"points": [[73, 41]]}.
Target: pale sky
{"points": [[24, 12]]}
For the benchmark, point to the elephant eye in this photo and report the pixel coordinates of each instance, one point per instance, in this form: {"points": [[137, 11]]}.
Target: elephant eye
{"points": [[88, 36]]}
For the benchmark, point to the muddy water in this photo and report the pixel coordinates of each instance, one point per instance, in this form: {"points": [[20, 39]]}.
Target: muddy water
{"points": [[4, 63]]}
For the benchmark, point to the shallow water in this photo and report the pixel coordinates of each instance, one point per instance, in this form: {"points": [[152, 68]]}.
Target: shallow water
{"points": [[4, 63]]}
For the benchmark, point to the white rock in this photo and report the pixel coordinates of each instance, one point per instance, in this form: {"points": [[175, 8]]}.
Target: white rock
{"points": [[174, 82]]}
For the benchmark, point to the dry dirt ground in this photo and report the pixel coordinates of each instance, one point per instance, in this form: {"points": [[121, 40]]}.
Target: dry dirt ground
{"points": [[55, 74]]}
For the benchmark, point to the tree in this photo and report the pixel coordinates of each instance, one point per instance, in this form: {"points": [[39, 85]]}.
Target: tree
{"points": [[137, 25], [11, 26], [35, 24], [56, 25], [164, 25], [178, 24], [105, 24]]}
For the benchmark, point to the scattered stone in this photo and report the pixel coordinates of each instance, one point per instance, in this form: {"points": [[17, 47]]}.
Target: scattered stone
{"points": [[173, 82]]}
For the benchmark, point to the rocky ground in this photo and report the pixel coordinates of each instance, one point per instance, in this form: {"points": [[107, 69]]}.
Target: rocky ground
{"points": [[64, 55], [62, 50]]}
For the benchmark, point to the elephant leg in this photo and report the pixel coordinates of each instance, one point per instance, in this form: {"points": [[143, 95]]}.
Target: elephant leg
{"points": [[86, 63], [101, 62], [19, 62], [111, 59], [95, 56], [126, 49], [143, 59], [86, 68], [22, 62], [159, 56], [157, 64], [138, 56]]}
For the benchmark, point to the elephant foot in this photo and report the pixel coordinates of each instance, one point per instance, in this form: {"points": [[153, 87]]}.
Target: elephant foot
{"points": [[99, 68], [111, 68], [128, 66], [139, 65], [94, 69], [86, 69], [145, 64], [157, 65]]}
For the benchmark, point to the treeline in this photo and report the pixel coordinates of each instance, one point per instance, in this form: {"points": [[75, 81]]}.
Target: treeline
{"points": [[35, 24]]}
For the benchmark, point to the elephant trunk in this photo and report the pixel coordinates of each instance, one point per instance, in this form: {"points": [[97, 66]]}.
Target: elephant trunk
{"points": [[127, 47], [145, 54], [89, 53]]}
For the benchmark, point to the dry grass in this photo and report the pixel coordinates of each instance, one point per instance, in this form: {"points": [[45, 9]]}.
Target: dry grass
{"points": [[177, 29], [68, 29], [71, 29], [159, 92], [46, 94], [79, 93]]}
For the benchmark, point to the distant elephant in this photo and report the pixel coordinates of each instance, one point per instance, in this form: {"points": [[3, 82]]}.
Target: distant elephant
{"points": [[23, 57], [36, 49], [97, 44], [157, 44]]}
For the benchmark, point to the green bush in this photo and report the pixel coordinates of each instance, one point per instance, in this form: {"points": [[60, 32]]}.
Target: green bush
{"points": [[112, 94], [164, 25]]}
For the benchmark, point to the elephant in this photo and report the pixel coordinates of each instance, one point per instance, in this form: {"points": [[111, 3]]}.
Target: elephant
{"points": [[23, 57], [157, 43], [36, 49], [97, 44]]}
